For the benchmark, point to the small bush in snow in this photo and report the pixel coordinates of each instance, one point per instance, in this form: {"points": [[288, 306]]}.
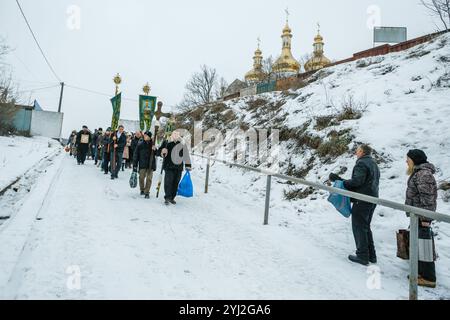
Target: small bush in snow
{"points": [[334, 147]]}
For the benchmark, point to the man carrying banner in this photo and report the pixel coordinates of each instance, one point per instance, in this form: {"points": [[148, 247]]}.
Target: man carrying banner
{"points": [[144, 156], [119, 140]]}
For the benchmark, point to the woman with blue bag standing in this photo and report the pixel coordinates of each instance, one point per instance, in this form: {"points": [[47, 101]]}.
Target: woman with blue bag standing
{"points": [[176, 157]]}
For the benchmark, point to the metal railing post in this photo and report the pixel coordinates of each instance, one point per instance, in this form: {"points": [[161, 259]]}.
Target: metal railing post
{"points": [[266, 209], [207, 175], [413, 255]]}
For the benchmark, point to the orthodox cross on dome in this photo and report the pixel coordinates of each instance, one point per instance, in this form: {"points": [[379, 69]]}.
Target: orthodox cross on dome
{"points": [[318, 27], [287, 14], [259, 41]]}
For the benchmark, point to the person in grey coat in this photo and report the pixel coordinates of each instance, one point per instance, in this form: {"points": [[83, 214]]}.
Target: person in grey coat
{"points": [[365, 180], [422, 193]]}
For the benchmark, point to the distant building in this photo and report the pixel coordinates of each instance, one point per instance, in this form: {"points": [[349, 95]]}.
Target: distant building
{"points": [[235, 87]]}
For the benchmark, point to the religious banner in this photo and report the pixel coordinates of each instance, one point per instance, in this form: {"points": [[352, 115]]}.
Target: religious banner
{"points": [[147, 105], [116, 102]]}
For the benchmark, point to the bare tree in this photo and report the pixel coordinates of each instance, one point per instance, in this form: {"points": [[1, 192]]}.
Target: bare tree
{"points": [[267, 66], [304, 59], [201, 89], [439, 8], [8, 91], [221, 88]]}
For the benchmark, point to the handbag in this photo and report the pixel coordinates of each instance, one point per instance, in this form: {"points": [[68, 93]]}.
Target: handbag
{"points": [[403, 245], [133, 180]]}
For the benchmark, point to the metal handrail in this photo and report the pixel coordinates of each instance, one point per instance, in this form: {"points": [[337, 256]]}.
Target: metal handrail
{"points": [[413, 211]]}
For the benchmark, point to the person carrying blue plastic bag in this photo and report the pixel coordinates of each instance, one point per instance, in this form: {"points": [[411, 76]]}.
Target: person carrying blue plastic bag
{"points": [[365, 180], [176, 157], [341, 203]]}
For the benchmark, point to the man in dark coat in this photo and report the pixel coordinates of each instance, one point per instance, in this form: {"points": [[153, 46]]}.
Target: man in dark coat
{"points": [[84, 138], [365, 180], [119, 140], [176, 155], [106, 148], [144, 153], [422, 193], [137, 137], [94, 146]]}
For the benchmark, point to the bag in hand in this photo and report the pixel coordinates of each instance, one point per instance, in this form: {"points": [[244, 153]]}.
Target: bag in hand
{"points": [[403, 245], [133, 180], [185, 188]]}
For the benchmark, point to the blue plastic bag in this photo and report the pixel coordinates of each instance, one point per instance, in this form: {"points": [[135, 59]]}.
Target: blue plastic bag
{"points": [[185, 188], [341, 203]]}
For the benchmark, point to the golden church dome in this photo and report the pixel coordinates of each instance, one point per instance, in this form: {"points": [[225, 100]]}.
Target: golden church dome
{"points": [[257, 74], [286, 64], [318, 60]]}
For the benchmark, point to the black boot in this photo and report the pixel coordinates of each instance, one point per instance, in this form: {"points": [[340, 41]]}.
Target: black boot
{"points": [[359, 260], [147, 196], [142, 193]]}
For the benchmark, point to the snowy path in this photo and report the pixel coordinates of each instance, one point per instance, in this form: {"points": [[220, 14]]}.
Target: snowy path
{"points": [[210, 247]]}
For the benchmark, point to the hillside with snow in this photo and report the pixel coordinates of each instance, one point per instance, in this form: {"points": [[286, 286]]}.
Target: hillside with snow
{"points": [[395, 103]]}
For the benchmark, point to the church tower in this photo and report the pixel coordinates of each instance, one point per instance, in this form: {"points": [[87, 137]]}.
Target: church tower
{"points": [[286, 65], [256, 75], [318, 61]]}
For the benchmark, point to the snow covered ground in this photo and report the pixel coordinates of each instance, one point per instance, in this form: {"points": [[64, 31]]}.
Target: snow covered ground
{"points": [[213, 246], [18, 154], [22, 160]]}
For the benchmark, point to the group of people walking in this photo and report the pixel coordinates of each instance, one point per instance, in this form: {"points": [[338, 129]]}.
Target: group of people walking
{"points": [[140, 151], [117, 150], [421, 192]]}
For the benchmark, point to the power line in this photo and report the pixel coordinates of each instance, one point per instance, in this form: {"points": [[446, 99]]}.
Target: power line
{"points": [[97, 92], [37, 89], [34, 37]]}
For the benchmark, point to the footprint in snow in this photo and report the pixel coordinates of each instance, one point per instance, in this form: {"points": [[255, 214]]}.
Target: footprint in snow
{"points": [[111, 194]]}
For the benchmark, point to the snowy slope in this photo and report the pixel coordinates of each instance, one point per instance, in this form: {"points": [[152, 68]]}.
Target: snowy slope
{"points": [[19, 154], [404, 101]]}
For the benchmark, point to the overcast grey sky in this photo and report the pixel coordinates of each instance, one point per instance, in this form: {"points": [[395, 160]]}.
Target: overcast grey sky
{"points": [[164, 42]]}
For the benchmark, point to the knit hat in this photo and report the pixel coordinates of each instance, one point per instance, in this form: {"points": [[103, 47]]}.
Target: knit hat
{"points": [[148, 133], [417, 156]]}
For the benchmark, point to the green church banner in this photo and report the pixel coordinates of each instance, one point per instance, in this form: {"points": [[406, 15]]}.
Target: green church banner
{"points": [[147, 105], [116, 102]]}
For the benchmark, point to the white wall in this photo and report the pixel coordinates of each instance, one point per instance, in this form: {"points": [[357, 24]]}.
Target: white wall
{"points": [[46, 124]]}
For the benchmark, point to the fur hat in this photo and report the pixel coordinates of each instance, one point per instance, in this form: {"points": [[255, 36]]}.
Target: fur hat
{"points": [[417, 156]]}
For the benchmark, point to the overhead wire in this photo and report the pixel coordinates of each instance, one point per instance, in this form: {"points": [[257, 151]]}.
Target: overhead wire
{"points": [[37, 42]]}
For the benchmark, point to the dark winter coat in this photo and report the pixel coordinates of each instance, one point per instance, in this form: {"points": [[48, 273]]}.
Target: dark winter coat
{"points": [[95, 138], [134, 143], [422, 189], [170, 162], [106, 143], [141, 155], [78, 141], [365, 177], [121, 142]]}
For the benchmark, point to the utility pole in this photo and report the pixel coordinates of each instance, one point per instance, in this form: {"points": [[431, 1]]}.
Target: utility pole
{"points": [[60, 97]]}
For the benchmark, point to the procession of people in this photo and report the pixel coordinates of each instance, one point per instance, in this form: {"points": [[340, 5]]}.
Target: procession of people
{"points": [[114, 151]]}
